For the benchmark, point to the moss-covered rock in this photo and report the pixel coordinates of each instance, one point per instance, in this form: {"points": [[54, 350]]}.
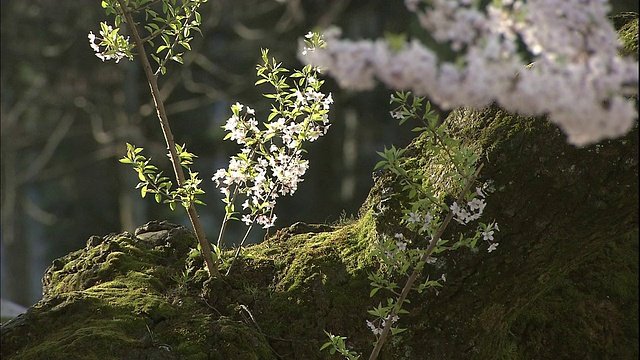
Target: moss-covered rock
{"points": [[567, 264], [627, 26], [127, 297]]}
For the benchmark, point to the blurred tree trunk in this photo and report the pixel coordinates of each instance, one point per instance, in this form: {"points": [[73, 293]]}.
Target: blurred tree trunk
{"points": [[15, 247]]}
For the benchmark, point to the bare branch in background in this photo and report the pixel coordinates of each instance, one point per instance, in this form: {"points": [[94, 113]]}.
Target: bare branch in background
{"points": [[332, 13], [48, 150], [294, 15], [11, 117]]}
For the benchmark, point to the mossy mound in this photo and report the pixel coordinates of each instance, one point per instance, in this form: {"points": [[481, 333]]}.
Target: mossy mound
{"points": [[125, 297], [563, 283]]}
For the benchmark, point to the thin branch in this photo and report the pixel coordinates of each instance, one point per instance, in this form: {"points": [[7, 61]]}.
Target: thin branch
{"points": [[49, 148], [416, 272], [187, 20], [10, 118], [79, 163], [246, 234], [168, 136], [226, 217]]}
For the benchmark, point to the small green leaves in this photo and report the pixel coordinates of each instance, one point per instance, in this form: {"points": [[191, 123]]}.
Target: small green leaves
{"points": [[313, 41], [169, 20], [396, 42], [427, 284], [152, 181], [336, 344], [110, 43], [391, 159], [186, 158]]}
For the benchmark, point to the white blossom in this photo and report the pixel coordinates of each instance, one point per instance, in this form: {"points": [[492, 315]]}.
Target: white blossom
{"points": [[402, 246], [272, 165], [113, 50], [577, 77], [376, 330], [413, 217]]}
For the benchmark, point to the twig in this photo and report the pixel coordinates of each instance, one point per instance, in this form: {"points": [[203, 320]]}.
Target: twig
{"points": [[246, 234], [255, 323], [427, 254]]}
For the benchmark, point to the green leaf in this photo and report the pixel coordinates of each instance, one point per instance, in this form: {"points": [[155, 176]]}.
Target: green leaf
{"points": [[412, 193], [155, 58], [373, 291], [380, 164]]}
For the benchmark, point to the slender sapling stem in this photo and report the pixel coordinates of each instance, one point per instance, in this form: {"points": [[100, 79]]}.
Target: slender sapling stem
{"points": [[416, 272], [152, 79]]}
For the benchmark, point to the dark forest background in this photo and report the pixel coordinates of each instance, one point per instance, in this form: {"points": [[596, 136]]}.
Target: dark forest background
{"points": [[66, 116]]}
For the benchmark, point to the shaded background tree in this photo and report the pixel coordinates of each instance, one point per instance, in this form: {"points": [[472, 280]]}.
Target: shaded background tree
{"points": [[66, 116]]}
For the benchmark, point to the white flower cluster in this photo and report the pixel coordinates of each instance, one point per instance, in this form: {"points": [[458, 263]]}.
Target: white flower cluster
{"points": [[270, 164], [487, 235], [394, 255], [377, 330], [472, 211], [417, 219], [577, 77], [110, 39]]}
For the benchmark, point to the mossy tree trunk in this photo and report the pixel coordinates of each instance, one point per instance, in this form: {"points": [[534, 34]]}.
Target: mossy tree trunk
{"points": [[562, 283]]}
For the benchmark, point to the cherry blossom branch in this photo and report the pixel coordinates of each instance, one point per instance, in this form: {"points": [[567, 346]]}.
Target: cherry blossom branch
{"points": [[416, 272], [558, 59]]}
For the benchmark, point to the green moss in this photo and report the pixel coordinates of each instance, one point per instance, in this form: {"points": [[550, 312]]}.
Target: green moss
{"points": [[627, 26], [117, 299], [594, 307], [315, 281]]}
